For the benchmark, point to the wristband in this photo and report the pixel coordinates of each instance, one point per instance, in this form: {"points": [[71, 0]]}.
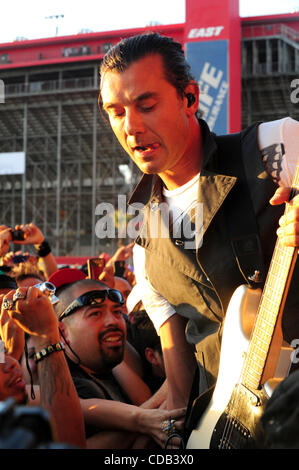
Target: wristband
{"points": [[48, 350], [43, 249]]}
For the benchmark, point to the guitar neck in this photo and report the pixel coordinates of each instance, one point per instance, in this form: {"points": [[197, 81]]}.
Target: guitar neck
{"points": [[271, 305]]}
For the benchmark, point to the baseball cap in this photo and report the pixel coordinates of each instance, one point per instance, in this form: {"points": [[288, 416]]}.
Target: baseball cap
{"points": [[66, 276]]}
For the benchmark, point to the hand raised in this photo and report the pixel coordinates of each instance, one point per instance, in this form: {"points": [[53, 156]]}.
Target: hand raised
{"points": [[288, 231]]}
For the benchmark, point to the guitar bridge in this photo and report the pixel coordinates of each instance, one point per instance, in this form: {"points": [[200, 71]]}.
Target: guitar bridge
{"points": [[239, 425], [230, 433]]}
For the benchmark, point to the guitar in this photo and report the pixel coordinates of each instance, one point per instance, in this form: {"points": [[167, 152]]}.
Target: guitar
{"points": [[232, 417]]}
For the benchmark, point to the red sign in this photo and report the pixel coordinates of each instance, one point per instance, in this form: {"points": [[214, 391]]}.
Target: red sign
{"points": [[212, 22]]}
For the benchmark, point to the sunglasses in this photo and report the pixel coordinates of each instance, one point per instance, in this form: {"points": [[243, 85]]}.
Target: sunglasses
{"points": [[94, 297]]}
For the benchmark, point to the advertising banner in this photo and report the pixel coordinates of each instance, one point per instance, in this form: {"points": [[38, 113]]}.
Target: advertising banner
{"points": [[213, 49], [210, 67]]}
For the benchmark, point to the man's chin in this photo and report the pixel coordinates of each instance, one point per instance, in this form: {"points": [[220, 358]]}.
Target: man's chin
{"points": [[113, 358], [22, 399]]}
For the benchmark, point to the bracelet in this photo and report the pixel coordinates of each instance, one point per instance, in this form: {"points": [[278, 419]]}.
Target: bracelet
{"points": [[43, 249], [48, 350]]}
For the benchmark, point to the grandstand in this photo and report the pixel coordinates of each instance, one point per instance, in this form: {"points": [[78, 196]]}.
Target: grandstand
{"points": [[73, 161], [270, 64]]}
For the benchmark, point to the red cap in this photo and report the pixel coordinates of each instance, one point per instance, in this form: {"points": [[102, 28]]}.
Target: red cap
{"points": [[66, 276]]}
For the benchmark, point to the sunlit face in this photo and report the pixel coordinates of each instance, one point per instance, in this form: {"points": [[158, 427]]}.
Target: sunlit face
{"points": [[147, 115], [125, 288], [97, 333], [12, 384]]}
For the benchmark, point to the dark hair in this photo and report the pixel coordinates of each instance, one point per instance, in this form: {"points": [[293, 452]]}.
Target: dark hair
{"points": [[7, 282], [129, 50], [143, 333]]}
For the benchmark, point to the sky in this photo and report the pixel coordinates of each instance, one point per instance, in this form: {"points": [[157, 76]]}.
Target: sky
{"points": [[31, 19]]}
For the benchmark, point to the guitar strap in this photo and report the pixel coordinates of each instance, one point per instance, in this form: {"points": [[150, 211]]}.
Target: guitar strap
{"points": [[244, 238]]}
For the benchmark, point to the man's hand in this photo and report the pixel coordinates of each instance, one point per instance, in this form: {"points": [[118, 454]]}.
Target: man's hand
{"points": [[33, 312], [107, 276], [121, 254], [150, 422], [11, 334], [288, 231], [5, 239], [32, 235]]}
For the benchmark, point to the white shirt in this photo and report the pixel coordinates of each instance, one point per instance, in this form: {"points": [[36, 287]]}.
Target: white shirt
{"points": [[280, 165]]}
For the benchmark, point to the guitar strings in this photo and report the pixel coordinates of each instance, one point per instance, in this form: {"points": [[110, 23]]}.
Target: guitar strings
{"points": [[229, 426], [235, 404]]}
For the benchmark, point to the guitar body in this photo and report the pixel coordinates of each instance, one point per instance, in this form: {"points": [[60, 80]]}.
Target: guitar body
{"points": [[248, 360], [232, 416]]}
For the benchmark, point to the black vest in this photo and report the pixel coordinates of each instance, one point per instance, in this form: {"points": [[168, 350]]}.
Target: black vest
{"points": [[239, 234]]}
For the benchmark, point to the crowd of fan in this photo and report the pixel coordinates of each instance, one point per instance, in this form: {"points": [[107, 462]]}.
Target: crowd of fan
{"points": [[112, 352]]}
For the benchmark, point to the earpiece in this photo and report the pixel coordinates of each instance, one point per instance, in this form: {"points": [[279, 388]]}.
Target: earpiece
{"points": [[190, 99]]}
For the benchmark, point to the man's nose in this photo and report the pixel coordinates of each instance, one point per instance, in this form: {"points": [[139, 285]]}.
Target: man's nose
{"points": [[110, 318], [134, 123]]}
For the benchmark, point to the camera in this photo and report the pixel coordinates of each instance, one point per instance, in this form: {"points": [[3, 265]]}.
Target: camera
{"points": [[19, 258], [26, 427], [49, 289], [119, 268], [23, 427], [17, 235]]}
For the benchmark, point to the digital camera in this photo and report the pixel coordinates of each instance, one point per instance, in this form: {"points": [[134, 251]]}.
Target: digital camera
{"points": [[49, 289]]}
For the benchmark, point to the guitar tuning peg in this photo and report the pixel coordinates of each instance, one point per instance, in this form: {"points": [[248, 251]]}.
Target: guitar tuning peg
{"points": [[256, 277]]}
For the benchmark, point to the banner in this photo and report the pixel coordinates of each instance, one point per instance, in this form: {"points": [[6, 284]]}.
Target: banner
{"points": [[210, 67], [213, 49]]}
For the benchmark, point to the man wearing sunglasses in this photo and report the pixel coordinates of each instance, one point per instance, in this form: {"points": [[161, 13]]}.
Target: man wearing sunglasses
{"points": [[93, 327]]}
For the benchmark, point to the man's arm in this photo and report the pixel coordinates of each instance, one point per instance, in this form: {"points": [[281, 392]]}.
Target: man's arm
{"points": [[111, 415], [34, 236], [35, 315], [58, 395], [179, 361], [136, 389], [111, 440]]}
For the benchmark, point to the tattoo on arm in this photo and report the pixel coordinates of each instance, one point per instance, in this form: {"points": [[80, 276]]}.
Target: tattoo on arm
{"points": [[52, 381]]}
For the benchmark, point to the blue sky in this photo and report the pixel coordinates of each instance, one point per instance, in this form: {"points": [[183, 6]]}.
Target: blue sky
{"points": [[30, 18]]}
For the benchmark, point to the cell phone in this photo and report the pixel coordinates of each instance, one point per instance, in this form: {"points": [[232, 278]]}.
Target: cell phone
{"points": [[17, 235], [95, 267], [119, 268]]}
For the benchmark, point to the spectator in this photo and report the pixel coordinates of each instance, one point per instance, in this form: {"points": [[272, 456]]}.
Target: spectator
{"points": [[12, 336], [147, 342], [125, 288], [94, 332], [31, 235], [12, 384], [27, 274], [32, 312]]}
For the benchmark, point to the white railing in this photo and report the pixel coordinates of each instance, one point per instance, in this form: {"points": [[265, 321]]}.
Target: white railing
{"points": [[49, 86]]}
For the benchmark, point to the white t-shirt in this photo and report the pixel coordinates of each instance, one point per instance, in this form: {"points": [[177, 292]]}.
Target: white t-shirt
{"points": [[279, 145]]}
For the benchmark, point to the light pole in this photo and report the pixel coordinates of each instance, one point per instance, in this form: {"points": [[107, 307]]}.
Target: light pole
{"points": [[54, 17]]}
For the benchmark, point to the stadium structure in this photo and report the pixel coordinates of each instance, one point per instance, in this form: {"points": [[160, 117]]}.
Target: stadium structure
{"points": [[72, 162]]}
